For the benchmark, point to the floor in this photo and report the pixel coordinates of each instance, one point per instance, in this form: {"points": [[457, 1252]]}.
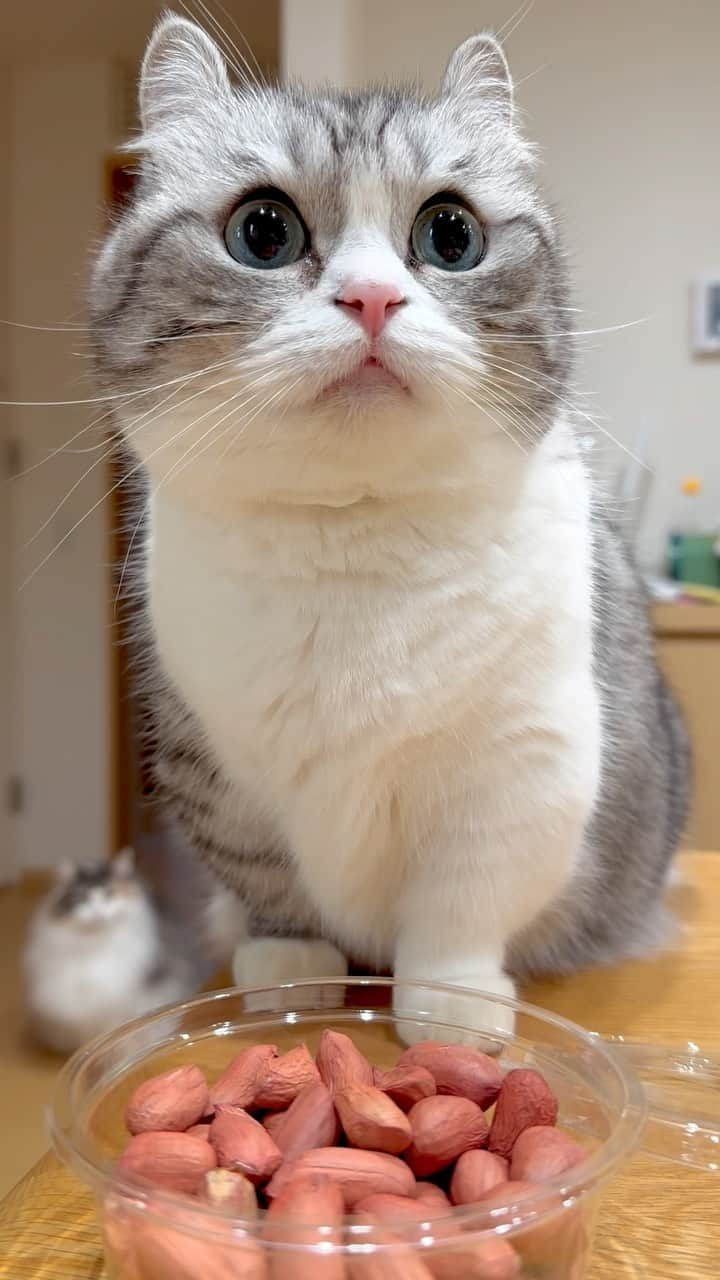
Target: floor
{"points": [[26, 1072]]}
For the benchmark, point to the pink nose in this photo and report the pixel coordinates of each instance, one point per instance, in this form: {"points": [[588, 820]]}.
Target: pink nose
{"points": [[371, 304]]}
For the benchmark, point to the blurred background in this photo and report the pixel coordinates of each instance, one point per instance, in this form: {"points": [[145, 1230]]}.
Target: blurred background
{"points": [[622, 100]]}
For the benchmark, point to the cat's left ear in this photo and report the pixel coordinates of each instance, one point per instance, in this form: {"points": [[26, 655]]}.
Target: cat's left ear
{"points": [[182, 68], [478, 72], [123, 864]]}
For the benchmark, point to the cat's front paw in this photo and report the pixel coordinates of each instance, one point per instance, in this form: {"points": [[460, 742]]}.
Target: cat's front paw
{"points": [[478, 1020], [267, 962]]}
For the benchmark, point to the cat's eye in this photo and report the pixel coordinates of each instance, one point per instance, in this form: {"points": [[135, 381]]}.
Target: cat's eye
{"points": [[447, 235], [264, 232]]}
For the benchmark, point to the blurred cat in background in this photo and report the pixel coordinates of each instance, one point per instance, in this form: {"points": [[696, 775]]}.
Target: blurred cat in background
{"points": [[99, 954]]}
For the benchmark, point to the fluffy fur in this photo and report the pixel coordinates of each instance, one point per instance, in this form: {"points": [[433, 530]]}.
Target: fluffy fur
{"points": [[399, 667], [98, 955]]}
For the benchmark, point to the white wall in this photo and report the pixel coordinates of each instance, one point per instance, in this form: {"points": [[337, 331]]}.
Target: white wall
{"points": [[623, 98], [63, 126]]}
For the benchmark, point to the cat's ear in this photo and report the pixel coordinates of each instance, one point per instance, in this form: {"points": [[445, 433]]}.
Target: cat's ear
{"points": [[182, 67], [64, 872], [478, 72], [123, 864]]}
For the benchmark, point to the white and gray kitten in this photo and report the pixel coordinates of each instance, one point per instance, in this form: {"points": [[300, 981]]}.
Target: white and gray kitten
{"points": [[98, 955], [399, 666]]}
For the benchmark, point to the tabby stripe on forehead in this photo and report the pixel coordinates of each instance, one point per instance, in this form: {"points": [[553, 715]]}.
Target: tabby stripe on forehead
{"points": [[141, 255], [382, 127]]}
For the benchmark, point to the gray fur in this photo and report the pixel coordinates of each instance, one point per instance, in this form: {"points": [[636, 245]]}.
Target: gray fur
{"points": [[164, 278], [614, 907]]}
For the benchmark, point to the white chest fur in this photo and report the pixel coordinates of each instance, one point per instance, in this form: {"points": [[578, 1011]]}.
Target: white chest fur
{"points": [[345, 664]]}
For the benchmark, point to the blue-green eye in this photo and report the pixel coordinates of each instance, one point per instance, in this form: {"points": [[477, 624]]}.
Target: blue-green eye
{"points": [[265, 233], [448, 236]]}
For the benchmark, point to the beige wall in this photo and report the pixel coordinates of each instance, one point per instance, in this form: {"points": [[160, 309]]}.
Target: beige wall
{"points": [[7, 852], [61, 111], [623, 99], [64, 124], [309, 55]]}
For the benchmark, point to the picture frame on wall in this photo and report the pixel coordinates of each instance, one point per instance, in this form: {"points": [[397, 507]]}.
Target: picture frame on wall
{"points": [[705, 314]]}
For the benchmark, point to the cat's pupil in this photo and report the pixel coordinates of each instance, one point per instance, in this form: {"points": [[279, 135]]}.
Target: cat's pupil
{"points": [[450, 234], [266, 232]]}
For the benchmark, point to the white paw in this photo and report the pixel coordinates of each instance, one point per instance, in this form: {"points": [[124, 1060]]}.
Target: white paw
{"points": [[485, 1023], [266, 962]]}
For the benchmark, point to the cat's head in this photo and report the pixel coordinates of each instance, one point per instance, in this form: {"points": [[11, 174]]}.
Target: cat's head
{"points": [[93, 897], [318, 296]]}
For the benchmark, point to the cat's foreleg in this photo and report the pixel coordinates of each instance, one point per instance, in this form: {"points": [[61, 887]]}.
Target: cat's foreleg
{"points": [[492, 864]]}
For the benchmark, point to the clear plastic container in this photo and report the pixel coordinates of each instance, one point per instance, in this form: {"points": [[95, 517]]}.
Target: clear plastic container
{"points": [[151, 1235]]}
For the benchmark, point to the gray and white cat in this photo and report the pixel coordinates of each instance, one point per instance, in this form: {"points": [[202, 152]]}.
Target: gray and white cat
{"points": [[99, 954], [399, 664]]}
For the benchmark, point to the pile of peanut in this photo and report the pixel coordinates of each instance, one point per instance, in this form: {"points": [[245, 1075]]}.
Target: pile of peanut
{"points": [[316, 1140]]}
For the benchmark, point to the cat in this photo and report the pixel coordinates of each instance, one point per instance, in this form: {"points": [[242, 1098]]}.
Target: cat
{"points": [[98, 954], [398, 661]]}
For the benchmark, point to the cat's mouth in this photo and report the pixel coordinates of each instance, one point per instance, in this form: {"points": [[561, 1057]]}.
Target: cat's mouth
{"points": [[371, 377]]}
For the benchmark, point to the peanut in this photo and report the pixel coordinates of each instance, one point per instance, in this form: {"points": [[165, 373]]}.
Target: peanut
{"points": [[340, 1064], [460, 1257], [475, 1173], [284, 1078], [525, 1100], [200, 1131], [397, 1209], [172, 1101], [242, 1144], [443, 1128], [400, 1262], [541, 1153], [372, 1120], [457, 1069], [488, 1259], [169, 1253], [405, 1085], [119, 1225], [312, 1202], [174, 1161], [358, 1173], [233, 1191], [434, 1197], [310, 1121], [237, 1085], [552, 1243], [274, 1120]]}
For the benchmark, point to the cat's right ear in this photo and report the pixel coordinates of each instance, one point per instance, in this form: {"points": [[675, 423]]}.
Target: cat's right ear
{"points": [[478, 73], [64, 872], [182, 68]]}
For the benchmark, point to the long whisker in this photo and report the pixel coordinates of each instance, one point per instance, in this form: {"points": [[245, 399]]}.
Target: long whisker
{"points": [[110, 448], [261, 378], [483, 409], [134, 395], [118, 395], [512, 23], [570, 335], [113, 488], [47, 328], [233, 55], [574, 409]]}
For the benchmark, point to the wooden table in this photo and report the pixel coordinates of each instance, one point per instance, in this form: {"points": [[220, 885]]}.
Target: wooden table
{"points": [[688, 649], [658, 1221]]}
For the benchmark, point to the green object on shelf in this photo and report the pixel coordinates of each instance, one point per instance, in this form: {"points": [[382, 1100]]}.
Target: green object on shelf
{"points": [[693, 558]]}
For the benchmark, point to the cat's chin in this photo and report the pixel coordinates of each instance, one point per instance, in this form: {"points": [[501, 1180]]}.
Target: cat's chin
{"points": [[367, 384]]}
